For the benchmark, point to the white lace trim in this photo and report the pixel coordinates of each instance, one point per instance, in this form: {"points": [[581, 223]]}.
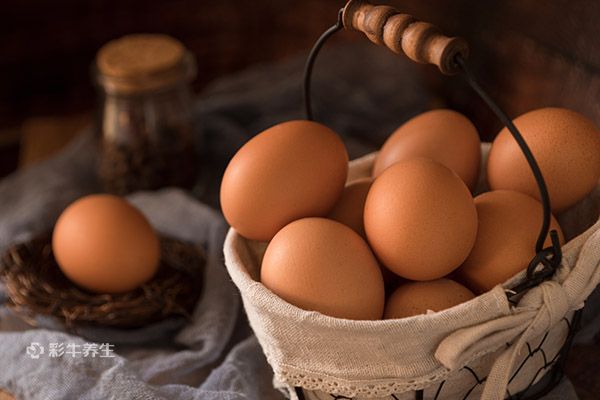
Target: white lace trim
{"points": [[353, 389]]}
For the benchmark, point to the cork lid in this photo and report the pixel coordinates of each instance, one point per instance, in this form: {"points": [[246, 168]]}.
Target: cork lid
{"points": [[143, 62]]}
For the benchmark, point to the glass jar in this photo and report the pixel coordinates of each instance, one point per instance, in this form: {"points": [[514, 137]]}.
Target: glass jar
{"points": [[146, 114]]}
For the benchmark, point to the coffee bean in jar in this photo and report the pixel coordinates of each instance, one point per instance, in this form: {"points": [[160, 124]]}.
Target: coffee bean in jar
{"points": [[145, 115]]}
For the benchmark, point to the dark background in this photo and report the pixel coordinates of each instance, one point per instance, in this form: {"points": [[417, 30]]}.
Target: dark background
{"points": [[529, 54]]}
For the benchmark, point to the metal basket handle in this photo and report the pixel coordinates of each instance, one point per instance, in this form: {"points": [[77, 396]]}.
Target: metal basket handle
{"points": [[423, 43]]}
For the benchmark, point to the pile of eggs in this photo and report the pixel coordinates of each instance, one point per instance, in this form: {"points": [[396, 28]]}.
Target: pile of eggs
{"points": [[413, 228]]}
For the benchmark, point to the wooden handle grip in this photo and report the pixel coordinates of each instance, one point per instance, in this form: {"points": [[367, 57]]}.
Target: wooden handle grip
{"points": [[402, 33]]}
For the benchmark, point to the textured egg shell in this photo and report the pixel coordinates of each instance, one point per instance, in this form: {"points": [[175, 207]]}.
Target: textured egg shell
{"points": [[415, 298], [420, 219], [290, 171], [566, 146], [104, 244], [349, 209], [509, 224], [445, 136], [321, 265]]}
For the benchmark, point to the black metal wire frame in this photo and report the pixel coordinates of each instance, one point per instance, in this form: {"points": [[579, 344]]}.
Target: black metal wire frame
{"points": [[310, 62], [549, 258]]}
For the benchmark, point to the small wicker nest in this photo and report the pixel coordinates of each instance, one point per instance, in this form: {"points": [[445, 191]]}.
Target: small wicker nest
{"points": [[36, 285]]}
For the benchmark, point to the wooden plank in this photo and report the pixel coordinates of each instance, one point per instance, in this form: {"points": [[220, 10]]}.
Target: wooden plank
{"points": [[45, 136]]}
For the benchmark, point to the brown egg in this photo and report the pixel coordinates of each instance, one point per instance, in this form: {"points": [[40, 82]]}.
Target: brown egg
{"points": [[103, 244], [420, 219], [415, 298], [566, 146], [349, 209], [293, 170], [445, 136], [321, 265], [509, 224]]}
